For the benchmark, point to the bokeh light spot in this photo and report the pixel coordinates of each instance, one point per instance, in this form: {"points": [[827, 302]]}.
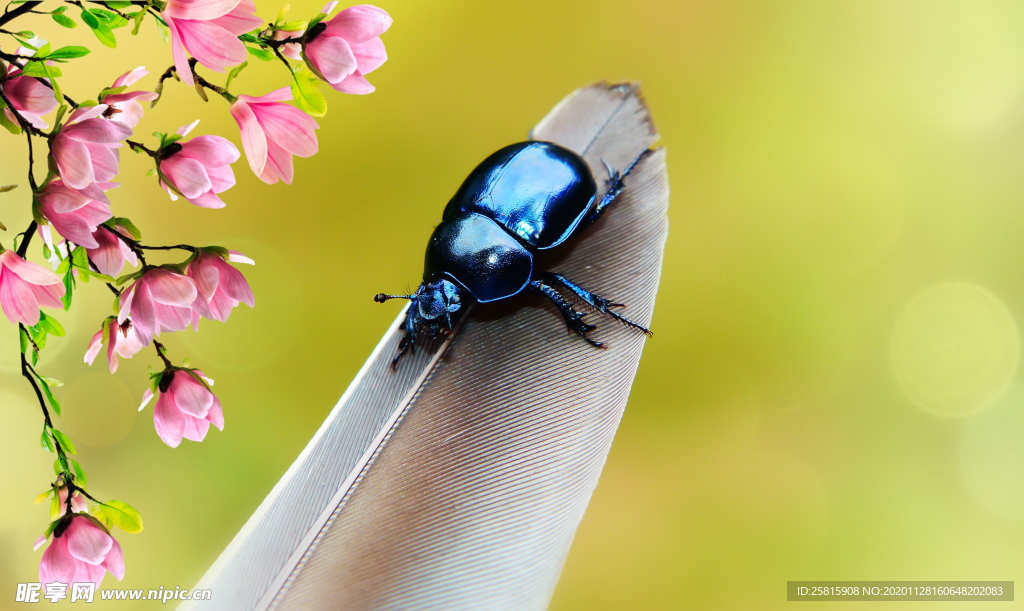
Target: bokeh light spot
{"points": [[100, 408], [257, 337], [954, 349], [991, 452]]}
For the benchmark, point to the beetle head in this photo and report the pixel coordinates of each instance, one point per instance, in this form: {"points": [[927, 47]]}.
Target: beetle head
{"points": [[438, 303], [437, 306]]}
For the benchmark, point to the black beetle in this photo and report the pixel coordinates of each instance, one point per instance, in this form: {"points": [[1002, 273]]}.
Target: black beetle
{"points": [[527, 197]]}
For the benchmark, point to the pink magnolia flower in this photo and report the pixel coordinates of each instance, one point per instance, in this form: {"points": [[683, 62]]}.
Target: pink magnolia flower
{"points": [[186, 409], [73, 214], [86, 147], [83, 552], [347, 47], [209, 30], [221, 286], [198, 169], [28, 96], [124, 107], [25, 286], [272, 132], [121, 340], [161, 300], [111, 252]]}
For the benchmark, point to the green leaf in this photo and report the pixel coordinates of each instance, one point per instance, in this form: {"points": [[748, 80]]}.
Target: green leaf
{"points": [[52, 381], [80, 478], [118, 4], [281, 14], [43, 51], [99, 28], [40, 69], [14, 128], [161, 27], [42, 496], [113, 20], [85, 103], [80, 258], [125, 278], [55, 506], [68, 53], [112, 91], [6, 188], [121, 515], [46, 443], [56, 467], [60, 115], [127, 224], [24, 341], [235, 72], [56, 408], [307, 95], [292, 26], [64, 20], [103, 277], [317, 19], [69, 287], [138, 18], [52, 325], [64, 441], [151, 172], [263, 54]]}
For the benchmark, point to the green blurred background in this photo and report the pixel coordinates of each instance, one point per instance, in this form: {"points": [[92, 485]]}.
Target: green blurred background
{"points": [[833, 388]]}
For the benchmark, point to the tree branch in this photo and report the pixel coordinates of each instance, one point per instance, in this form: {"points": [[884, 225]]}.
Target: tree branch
{"points": [[9, 16]]}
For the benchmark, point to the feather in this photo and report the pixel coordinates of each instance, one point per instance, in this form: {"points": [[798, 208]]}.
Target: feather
{"points": [[458, 481]]}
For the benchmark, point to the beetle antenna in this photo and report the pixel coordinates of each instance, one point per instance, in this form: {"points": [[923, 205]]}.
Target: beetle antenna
{"points": [[381, 297]]}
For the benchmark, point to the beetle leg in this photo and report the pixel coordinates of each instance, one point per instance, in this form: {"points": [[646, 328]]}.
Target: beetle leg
{"points": [[408, 342], [599, 303], [615, 185], [573, 319]]}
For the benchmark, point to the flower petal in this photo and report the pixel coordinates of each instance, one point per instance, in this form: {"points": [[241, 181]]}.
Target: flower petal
{"points": [[190, 396], [114, 561], [57, 564], [279, 164], [187, 174], [199, 9], [288, 127], [356, 83], [241, 19], [169, 288], [359, 23], [332, 56], [211, 151], [94, 347], [254, 141], [370, 54], [17, 300], [87, 542], [168, 420], [216, 415], [211, 45], [73, 161], [195, 428], [178, 53]]}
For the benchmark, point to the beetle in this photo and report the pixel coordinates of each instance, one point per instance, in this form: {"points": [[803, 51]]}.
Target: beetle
{"points": [[527, 197]]}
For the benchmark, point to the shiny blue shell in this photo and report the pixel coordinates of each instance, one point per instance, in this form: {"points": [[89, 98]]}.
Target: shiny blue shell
{"points": [[480, 255], [526, 197], [538, 191]]}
